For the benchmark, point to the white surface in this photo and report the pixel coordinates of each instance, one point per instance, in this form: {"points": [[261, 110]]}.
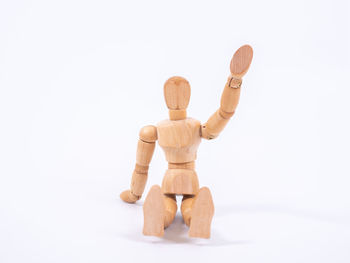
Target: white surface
{"points": [[78, 79]]}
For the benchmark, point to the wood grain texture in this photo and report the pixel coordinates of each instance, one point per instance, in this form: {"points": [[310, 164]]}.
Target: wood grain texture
{"points": [[175, 115], [154, 213], [170, 209], [144, 152], [212, 128], [148, 133], [201, 214], [177, 92], [180, 181], [186, 208], [189, 165], [241, 61], [138, 182], [129, 197], [229, 98], [179, 139]]}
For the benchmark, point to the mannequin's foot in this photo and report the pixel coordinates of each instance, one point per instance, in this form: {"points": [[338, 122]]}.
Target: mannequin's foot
{"points": [[202, 214], [154, 212]]}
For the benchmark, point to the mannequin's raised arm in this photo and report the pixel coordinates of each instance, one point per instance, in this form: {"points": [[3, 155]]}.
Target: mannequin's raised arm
{"points": [[145, 149], [230, 97]]}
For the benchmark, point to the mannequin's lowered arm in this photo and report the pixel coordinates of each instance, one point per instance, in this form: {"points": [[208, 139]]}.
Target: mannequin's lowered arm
{"points": [[145, 149]]}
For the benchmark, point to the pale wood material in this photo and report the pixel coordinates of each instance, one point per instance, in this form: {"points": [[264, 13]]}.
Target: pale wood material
{"points": [[201, 214], [129, 197], [229, 98], [141, 169], [212, 128], [170, 209], [154, 213], [241, 61], [189, 165], [148, 133], [138, 183], [143, 158], [144, 153], [180, 182], [175, 115], [186, 208], [139, 179], [177, 92], [179, 139], [159, 212]]}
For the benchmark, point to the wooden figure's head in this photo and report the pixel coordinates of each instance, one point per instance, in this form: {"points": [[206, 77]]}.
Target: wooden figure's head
{"points": [[177, 93]]}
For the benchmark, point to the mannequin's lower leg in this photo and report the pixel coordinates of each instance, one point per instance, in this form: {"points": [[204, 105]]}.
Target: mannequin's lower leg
{"points": [[186, 207], [170, 209], [198, 213], [158, 212]]}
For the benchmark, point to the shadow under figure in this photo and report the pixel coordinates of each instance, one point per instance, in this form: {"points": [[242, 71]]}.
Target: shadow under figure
{"points": [[180, 137]]}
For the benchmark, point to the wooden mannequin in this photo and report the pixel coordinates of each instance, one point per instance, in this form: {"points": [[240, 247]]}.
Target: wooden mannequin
{"points": [[180, 137]]}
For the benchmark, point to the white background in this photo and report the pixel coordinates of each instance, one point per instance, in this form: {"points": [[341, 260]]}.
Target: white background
{"points": [[78, 79]]}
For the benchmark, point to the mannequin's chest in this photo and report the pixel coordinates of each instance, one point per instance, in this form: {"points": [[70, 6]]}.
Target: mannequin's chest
{"points": [[178, 134]]}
